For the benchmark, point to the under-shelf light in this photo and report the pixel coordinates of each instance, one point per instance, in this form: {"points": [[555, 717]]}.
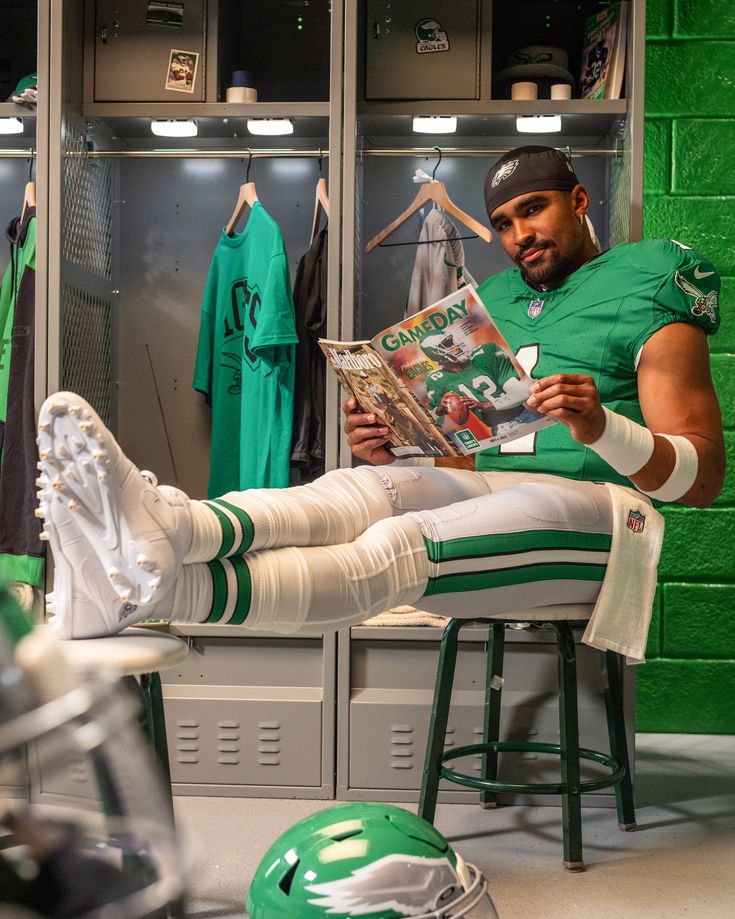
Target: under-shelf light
{"points": [[11, 126], [434, 124], [538, 124], [174, 127], [270, 127]]}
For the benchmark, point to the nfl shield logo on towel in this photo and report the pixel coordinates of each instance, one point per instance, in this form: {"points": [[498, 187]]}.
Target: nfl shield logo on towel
{"points": [[636, 521], [534, 308]]}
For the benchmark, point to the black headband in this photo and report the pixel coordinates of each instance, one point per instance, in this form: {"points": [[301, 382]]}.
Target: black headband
{"points": [[527, 169]]}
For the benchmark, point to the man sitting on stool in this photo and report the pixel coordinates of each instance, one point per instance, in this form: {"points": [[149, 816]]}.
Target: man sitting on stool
{"points": [[617, 344]]}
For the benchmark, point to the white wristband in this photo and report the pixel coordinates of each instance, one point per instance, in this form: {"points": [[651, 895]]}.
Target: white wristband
{"points": [[683, 474], [624, 445]]}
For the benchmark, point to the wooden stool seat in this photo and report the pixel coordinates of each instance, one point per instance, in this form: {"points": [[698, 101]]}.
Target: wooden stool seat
{"points": [[571, 786]]}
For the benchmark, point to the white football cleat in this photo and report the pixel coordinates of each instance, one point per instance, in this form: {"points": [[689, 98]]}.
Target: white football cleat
{"points": [[137, 535], [77, 611]]}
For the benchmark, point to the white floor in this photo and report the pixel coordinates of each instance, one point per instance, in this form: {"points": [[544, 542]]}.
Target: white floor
{"points": [[680, 862]]}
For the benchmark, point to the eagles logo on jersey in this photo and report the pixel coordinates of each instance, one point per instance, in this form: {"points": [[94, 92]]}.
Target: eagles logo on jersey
{"points": [[705, 303], [366, 860]]}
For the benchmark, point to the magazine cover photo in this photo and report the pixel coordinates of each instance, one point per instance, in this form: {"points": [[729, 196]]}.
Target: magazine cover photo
{"points": [[363, 373], [462, 371]]}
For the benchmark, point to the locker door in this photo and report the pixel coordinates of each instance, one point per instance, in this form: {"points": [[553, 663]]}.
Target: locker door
{"points": [[133, 47], [416, 50]]}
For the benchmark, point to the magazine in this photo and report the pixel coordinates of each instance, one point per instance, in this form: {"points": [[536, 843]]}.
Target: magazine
{"points": [[603, 57], [444, 381]]}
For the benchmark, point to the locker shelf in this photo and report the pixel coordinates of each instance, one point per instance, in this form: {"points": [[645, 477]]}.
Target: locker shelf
{"points": [[476, 119], [216, 120]]}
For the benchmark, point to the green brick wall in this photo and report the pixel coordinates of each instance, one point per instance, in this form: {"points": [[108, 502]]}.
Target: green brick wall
{"points": [[688, 683]]}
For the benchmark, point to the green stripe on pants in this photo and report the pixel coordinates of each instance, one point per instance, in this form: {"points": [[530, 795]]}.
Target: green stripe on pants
{"points": [[242, 605], [507, 543], [228, 531], [219, 597], [506, 577], [245, 522]]}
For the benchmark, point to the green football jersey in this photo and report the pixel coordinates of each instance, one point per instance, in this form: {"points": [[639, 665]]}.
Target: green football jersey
{"points": [[245, 358], [483, 380], [596, 323]]}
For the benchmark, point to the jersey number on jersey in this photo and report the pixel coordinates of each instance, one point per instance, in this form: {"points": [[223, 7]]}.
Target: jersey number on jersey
{"points": [[527, 357], [482, 384]]}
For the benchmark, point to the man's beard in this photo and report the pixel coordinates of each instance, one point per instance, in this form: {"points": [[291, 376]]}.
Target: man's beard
{"points": [[555, 269]]}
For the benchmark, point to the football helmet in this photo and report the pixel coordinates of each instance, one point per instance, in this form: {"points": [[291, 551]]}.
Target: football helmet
{"points": [[428, 30], [443, 349], [85, 828], [366, 860]]}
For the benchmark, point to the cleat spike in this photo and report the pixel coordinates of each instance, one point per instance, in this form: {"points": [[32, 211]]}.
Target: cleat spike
{"points": [[113, 574], [85, 426], [101, 476], [57, 408], [42, 480], [38, 512], [73, 410], [72, 505], [57, 485], [43, 426], [99, 455], [125, 596], [43, 537], [44, 454]]}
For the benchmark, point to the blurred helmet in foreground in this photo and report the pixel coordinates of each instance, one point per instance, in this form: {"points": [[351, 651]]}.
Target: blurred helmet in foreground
{"points": [[85, 827]]}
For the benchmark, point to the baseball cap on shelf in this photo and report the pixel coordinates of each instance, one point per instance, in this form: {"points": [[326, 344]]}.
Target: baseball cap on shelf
{"points": [[528, 169], [542, 64]]}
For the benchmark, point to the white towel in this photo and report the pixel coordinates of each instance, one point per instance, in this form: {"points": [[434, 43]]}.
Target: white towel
{"points": [[406, 616], [622, 613]]}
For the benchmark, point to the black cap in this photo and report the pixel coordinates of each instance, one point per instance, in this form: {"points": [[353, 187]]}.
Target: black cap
{"points": [[527, 169]]}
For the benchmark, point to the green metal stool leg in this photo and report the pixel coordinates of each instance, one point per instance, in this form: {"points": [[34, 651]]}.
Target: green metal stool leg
{"points": [[618, 740], [491, 725], [439, 720], [569, 742]]}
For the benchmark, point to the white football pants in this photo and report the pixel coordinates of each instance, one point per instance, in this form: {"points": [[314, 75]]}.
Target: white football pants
{"points": [[360, 541]]}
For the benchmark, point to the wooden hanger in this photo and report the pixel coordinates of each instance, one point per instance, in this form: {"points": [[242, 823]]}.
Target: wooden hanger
{"points": [[321, 206], [321, 201], [247, 196], [29, 199], [29, 194], [432, 192]]}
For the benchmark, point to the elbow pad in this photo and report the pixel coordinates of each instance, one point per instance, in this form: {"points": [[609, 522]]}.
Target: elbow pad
{"points": [[628, 446]]}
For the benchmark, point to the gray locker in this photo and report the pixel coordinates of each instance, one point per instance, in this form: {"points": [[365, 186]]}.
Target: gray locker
{"points": [[419, 51], [245, 737], [251, 716], [391, 687], [134, 51]]}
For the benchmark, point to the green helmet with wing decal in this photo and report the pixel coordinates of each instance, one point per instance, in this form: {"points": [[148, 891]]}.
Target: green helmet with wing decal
{"points": [[441, 348], [366, 860]]}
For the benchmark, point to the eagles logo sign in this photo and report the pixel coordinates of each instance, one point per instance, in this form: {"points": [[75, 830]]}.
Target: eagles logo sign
{"points": [[507, 169]]}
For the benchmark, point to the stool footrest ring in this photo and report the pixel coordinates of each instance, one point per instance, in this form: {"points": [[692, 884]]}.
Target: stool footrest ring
{"points": [[533, 788]]}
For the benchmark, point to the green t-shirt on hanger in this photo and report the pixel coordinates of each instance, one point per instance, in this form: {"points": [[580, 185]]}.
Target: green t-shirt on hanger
{"points": [[245, 358]]}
